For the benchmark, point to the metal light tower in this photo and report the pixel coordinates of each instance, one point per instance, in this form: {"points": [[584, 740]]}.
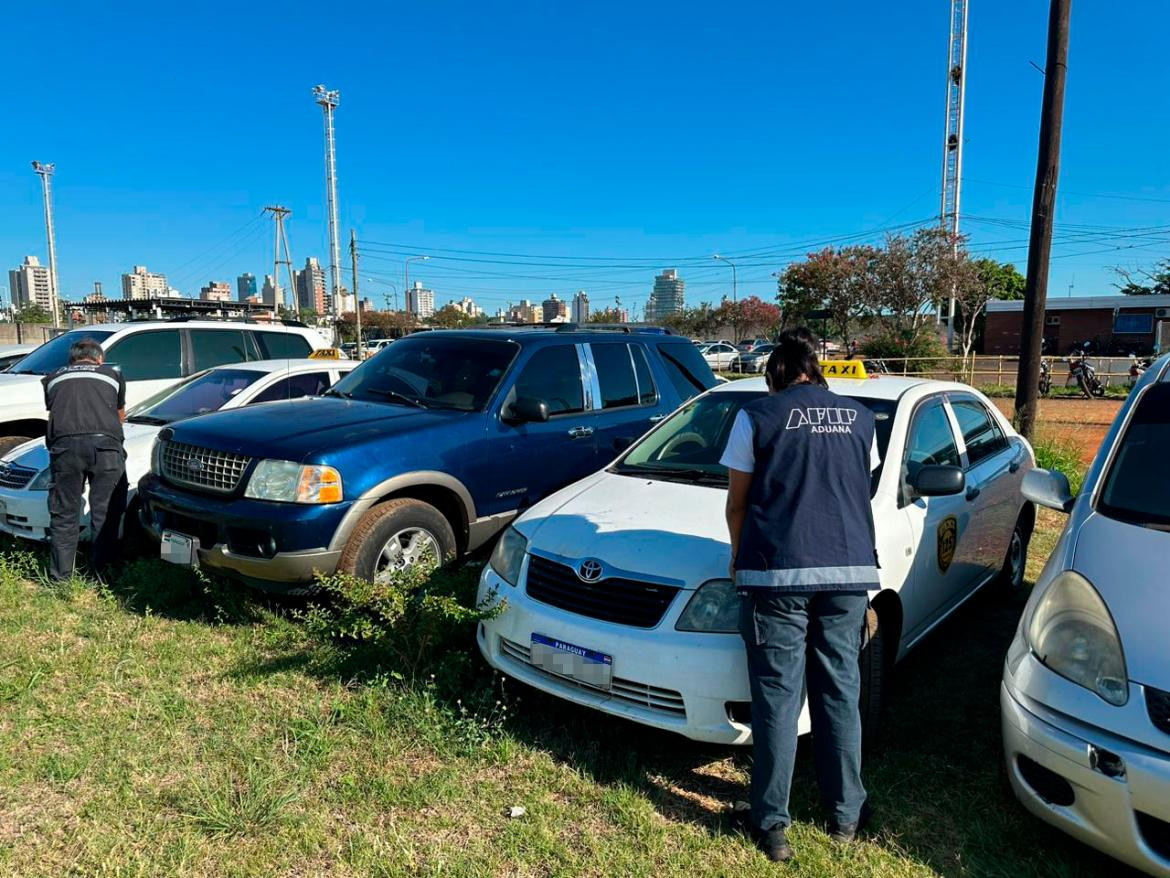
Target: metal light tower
{"points": [[952, 176], [290, 296], [329, 101], [45, 172]]}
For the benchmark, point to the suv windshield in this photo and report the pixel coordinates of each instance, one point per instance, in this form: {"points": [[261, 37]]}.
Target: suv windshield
{"points": [[1130, 491], [432, 371], [54, 354], [688, 445], [206, 392]]}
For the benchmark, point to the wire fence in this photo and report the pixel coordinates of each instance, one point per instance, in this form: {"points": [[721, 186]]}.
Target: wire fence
{"points": [[992, 371]]}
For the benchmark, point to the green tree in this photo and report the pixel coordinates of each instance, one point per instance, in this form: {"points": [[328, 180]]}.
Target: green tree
{"points": [[450, 317], [605, 315], [1146, 282], [33, 314], [748, 317]]}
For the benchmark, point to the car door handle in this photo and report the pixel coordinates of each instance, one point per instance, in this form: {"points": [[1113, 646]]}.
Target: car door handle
{"points": [[580, 432], [1014, 466], [654, 419], [972, 493]]}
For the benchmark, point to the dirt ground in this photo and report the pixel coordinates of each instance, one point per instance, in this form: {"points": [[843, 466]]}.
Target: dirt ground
{"points": [[1083, 421]]}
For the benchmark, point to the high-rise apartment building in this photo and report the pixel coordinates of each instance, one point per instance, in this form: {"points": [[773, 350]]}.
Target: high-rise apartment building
{"points": [[581, 307], [554, 310], [420, 301], [467, 306], [668, 296], [310, 283], [270, 293], [216, 291], [526, 312], [245, 286], [143, 284], [29, 284]]}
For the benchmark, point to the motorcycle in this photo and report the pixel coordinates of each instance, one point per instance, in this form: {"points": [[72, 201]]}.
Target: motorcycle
{"points": [[1137, 368], [1080, 370]]}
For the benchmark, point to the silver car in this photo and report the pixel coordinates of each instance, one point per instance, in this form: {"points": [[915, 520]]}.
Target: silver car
{"points": [[1086, 685]]}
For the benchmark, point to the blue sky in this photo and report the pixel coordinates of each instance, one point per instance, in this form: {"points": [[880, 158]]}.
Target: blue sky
{"points": [[598, 143]]}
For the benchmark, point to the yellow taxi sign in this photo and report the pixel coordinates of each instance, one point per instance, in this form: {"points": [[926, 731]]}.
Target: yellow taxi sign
{"points": [[844, 369], [325, 354]]}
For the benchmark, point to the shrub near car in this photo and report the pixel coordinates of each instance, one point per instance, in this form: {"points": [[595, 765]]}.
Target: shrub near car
{"points": [[1086, 685], [24, 471], [616, 588], [427, 449]]}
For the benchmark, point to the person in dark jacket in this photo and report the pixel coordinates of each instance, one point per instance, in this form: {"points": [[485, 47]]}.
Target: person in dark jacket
{"points": [[803, 558], [87, 405]]}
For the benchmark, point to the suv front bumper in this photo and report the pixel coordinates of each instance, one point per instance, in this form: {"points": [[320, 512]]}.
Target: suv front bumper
{"points": [[268, 545]]}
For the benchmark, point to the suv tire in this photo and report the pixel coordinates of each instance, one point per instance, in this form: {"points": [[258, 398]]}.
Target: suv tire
{"points": [[405, 521]]}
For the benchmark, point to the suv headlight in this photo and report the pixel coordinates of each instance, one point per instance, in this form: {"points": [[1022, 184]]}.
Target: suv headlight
{"points": [[41, 480], [1072, 633], [287, 482], [713, 608], [508, 555]]}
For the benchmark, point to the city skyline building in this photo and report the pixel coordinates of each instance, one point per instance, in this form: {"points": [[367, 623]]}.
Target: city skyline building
{"points": [[29, 284], [143, 284], [467, 306], [420, 301], [581, 307], [554, 310], [270, 292], [216, 291], [310, 283], [245, 286], [525, 312], [668, 296]]}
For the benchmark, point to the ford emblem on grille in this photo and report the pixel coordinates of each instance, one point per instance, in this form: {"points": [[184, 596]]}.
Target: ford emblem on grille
{"points": [[195, 465], [590, 570]]}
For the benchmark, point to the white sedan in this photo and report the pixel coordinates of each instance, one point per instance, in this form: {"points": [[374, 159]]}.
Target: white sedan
{"points": [[616, 591], [1086, 685], [24, 470], [719, 355]]}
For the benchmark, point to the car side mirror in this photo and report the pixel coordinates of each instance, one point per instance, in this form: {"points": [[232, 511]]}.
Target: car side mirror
{"points": [[1048, 488], [528, 410], [939, 481]]}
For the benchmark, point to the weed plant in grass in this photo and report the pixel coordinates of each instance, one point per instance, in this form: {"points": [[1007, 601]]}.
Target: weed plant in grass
{"points": [[1057, 453]]}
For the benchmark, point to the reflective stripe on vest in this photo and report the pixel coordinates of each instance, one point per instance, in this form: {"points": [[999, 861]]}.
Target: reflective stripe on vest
{"points": [[808, 576]]}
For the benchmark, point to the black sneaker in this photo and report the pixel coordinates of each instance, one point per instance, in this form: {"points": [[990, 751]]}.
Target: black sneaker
{"points": [[774, 844], [847, 832]]}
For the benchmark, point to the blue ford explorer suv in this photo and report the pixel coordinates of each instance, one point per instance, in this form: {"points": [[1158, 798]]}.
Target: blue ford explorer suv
{"points": [[430, 447]]}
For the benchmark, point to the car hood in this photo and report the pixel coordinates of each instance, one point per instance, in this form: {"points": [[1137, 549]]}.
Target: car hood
{"points": [[35, 455], [619, 520], [1127, 565], [296, 429], [21, 389]]}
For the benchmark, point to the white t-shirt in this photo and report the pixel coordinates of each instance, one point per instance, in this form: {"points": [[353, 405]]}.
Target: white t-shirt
{"points": [[740, 453]]}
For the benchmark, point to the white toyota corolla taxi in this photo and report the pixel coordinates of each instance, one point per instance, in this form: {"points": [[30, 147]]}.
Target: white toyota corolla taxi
{"points": [[1086, 685], [615, 589]]}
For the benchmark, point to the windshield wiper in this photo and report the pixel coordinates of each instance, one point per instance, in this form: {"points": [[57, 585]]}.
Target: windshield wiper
{"points": [[672, 473], [148, 419], [399, 397], [333, 391]]}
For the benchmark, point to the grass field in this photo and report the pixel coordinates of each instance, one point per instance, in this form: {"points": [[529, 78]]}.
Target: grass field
{"points": [[167, 726]]}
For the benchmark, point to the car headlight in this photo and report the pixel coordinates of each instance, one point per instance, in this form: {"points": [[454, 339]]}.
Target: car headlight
{"points": [[289, 482], [41, 480], [713, 608], [1072, 633], [508, 555]]}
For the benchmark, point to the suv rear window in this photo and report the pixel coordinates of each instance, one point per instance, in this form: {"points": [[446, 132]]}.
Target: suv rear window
{"points": [[1132, 489], [686, 368], [283, 345]]}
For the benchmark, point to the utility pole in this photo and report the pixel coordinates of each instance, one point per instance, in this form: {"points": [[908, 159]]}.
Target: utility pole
{"points": [[406, 276], [45, 172], [952, 179], [1043, 205], [329, 101], [357, 302], [290, 297]]}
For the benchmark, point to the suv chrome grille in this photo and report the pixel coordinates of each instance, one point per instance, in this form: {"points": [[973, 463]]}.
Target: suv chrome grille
{"points": [[624, 601], [203, 468], [14, 476], [1158, 706]]}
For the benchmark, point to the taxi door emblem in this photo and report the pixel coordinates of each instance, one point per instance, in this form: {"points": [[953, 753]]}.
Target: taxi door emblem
{"points": [[948, 538]]}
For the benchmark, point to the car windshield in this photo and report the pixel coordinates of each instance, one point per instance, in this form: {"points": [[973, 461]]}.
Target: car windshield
{"points": [[431, 371], [688, 445], [54, 354], [1131, 489], [206, 392]]}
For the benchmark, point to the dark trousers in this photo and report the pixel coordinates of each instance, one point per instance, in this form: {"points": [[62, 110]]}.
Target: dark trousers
{"points": [[794, 638], [73, 461]]}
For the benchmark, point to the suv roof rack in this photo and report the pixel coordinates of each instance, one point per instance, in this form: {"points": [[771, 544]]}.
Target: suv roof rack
{"points": [[613, 327]]}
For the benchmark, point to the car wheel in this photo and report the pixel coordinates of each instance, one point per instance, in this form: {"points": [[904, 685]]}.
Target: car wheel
{"points": [[394, 536], [1011, 575], [873, 678], [7, 443]]}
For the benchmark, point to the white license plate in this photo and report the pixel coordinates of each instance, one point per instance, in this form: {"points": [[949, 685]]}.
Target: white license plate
{"points": [[178, 548], [575, 662]]}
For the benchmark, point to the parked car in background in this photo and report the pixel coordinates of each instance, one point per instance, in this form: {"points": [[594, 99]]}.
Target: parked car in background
{"points": [[11, 354], [753, 361], [152, 355], [1085, 701], [24, 471], [719, 355], [428, 449], [616, 589]]}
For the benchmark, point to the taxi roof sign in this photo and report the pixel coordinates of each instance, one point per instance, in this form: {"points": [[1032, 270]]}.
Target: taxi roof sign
{"points": [[325, 354], [844, 369]]}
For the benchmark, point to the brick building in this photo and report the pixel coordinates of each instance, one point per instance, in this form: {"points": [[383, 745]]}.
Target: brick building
{"points": [[1119, 324]]}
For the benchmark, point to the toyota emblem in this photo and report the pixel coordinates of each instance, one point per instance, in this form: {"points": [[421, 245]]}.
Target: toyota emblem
{"points": [[589, 571], [195, 465]]}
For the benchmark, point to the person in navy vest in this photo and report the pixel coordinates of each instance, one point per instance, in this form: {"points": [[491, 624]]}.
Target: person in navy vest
{"points": [[803, 559]]}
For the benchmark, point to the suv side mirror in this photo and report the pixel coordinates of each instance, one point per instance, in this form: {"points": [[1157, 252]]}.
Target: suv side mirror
{"points": [[939, 481], [528, 410], [1048, 488]]}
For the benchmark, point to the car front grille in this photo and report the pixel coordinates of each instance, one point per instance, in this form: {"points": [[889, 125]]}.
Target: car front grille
{"points": [[643, 695], [204, 468], [1158, 706], [624, 601], [14, 476]]}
